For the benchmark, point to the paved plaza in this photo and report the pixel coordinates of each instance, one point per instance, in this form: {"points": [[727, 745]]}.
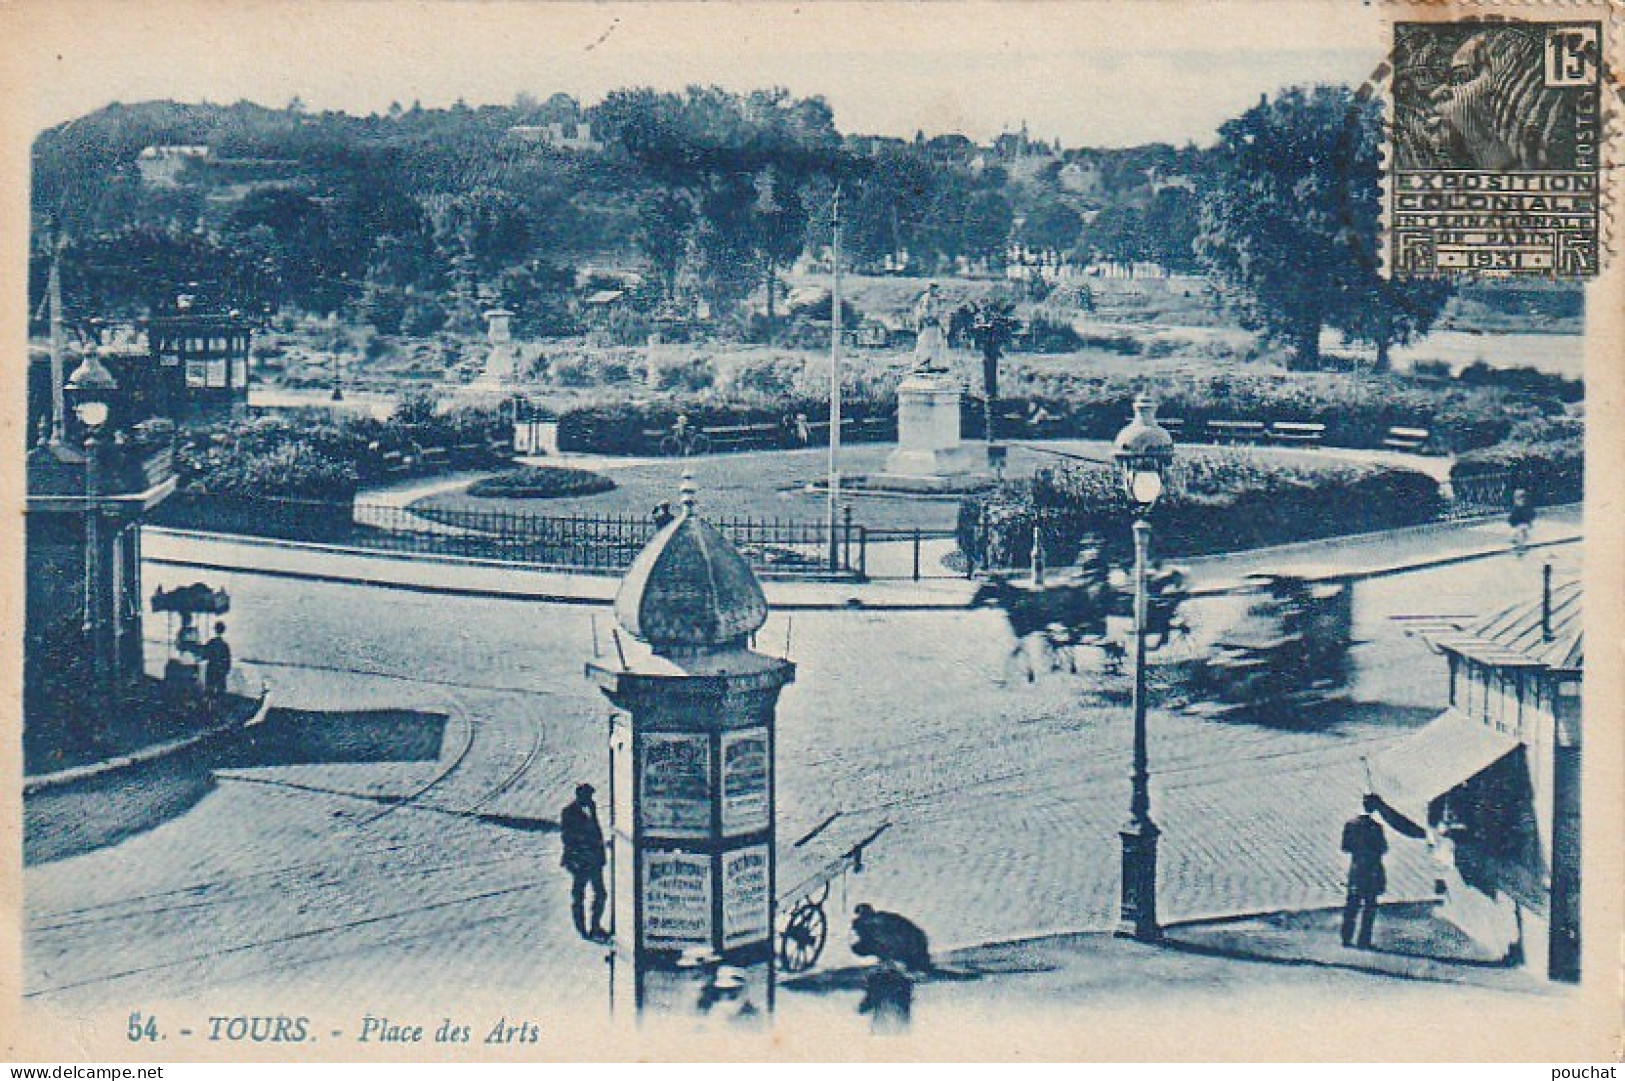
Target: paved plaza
{"points": [[382, 878]]}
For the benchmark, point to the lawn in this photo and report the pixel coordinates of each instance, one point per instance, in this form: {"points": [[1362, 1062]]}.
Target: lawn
{"points": [[773, 484]]}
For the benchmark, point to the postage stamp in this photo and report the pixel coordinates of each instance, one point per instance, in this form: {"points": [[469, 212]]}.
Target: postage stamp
{"points": [[1496, 148]]}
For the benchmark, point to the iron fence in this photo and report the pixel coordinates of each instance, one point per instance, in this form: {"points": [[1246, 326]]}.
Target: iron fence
{"points": [[598, 543], [1478, 494]]}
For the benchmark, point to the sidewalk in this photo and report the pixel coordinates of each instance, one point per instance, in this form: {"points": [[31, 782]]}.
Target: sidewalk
{"points": [[1364, 556], [1375, 555], [492, 578], [1297, 953]]}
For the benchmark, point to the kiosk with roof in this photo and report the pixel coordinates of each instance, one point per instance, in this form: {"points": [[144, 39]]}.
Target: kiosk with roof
{"points": [[691, 751]]}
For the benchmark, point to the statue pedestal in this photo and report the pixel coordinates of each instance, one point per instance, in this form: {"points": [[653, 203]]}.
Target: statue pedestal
{"points": [[930, 455]]}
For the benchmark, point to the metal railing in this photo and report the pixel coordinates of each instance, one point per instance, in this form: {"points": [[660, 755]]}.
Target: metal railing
{"points": [[597, 543]]}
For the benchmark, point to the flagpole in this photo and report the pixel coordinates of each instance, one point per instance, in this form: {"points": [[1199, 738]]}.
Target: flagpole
{"points": [[58, 406], [835, 390]]}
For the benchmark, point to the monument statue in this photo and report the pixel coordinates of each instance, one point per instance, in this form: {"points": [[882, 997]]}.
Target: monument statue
{"points": [[931, 344], [930, 455]]}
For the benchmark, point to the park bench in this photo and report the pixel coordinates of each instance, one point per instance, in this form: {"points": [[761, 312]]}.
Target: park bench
{"points": [[1236, 431], [1407, 439], [395, 463], [434, 456], [876, 428], [742, 436], [1174, 426], [478, 452], [1292, 431]]}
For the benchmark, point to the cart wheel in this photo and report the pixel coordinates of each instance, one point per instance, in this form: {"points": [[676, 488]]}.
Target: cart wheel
{"points": [[802, 941]]}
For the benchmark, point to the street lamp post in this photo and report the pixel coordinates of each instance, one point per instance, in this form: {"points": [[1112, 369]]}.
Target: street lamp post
{"points": [[834, 481], [90, 387], [1143, 451]]}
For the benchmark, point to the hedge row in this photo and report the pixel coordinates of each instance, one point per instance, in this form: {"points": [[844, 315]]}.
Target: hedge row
{"points": [[315, 456], [259, 516], [1545, 458], [1358, 411], [1214, 503], [639, 427]]}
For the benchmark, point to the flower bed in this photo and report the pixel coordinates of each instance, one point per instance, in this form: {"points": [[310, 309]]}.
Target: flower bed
{"points": [[541, 482], [1217, 502]]}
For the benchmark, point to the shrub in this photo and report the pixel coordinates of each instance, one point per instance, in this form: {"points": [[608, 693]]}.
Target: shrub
{"points": [[1544, 457], [638, 427], [1046, 335], [541, 482], [1214, 503], [292, 470], [1357, 411]]}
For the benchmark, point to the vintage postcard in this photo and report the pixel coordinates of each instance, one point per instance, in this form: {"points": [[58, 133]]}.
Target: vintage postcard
{"points": [[550, 531]]}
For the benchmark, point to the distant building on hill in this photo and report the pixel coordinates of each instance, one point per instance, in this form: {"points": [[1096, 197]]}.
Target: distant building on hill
{"points": [[560, 135], [160, 166]]}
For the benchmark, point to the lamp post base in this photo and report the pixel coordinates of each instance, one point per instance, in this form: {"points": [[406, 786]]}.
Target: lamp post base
{"points": [[1139, 911]]}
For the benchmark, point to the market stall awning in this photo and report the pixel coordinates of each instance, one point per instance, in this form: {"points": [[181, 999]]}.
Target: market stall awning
{"points": [[1449, 750]]}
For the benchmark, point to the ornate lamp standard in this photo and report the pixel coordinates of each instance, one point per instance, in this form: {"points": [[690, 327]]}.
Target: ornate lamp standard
{"points": [[1142, 451], [90, 389]]}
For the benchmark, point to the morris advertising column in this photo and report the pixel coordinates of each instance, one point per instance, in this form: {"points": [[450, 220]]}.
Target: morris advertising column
{"points": [[692, 777]]}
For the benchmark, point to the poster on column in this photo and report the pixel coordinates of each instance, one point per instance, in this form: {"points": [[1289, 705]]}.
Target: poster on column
{"points": [[744, 896], [676, 899], [744, 781], [675, 792]]}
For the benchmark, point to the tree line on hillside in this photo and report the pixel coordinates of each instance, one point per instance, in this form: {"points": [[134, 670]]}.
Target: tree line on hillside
{"points": [[413, 218]]}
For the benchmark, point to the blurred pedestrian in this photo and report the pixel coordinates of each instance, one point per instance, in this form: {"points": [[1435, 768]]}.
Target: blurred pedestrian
{"points": [[662, 515], [584, 859], [1365, 844], [886, 936], [888, 998], [1521, 518]]}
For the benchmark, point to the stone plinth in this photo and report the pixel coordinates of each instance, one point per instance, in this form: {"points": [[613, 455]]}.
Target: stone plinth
{"points": [[930, 454], [501, 361]]}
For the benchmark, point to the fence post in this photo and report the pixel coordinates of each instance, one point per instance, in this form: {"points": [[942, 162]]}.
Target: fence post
{"points": [[846, 524], [863, 553], [916, 553]]}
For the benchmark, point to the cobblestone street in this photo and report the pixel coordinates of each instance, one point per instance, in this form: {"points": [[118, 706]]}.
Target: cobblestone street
{"points": [[1004, 798]]}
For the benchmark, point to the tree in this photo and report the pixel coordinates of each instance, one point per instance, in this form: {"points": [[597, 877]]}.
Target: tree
{"points": [[1289, 223], [1117, 234], [1051, 224], [664, 220], [991, 324], [1170, 227], [1382, 311]]}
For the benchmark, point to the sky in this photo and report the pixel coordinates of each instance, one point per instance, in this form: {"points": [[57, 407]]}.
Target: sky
{"points": [[1095, 74]]}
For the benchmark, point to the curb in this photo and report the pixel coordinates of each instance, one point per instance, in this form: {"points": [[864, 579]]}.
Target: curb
{"points": [[854, 602], [45, 782]]}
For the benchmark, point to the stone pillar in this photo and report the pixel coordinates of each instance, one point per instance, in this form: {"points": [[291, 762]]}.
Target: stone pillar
{"points": [[692, 792], [929, 450]]}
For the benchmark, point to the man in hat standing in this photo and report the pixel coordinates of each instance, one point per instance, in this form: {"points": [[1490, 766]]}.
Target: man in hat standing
{"points": [[1365, 843], [584, 859], [216, 655]]}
